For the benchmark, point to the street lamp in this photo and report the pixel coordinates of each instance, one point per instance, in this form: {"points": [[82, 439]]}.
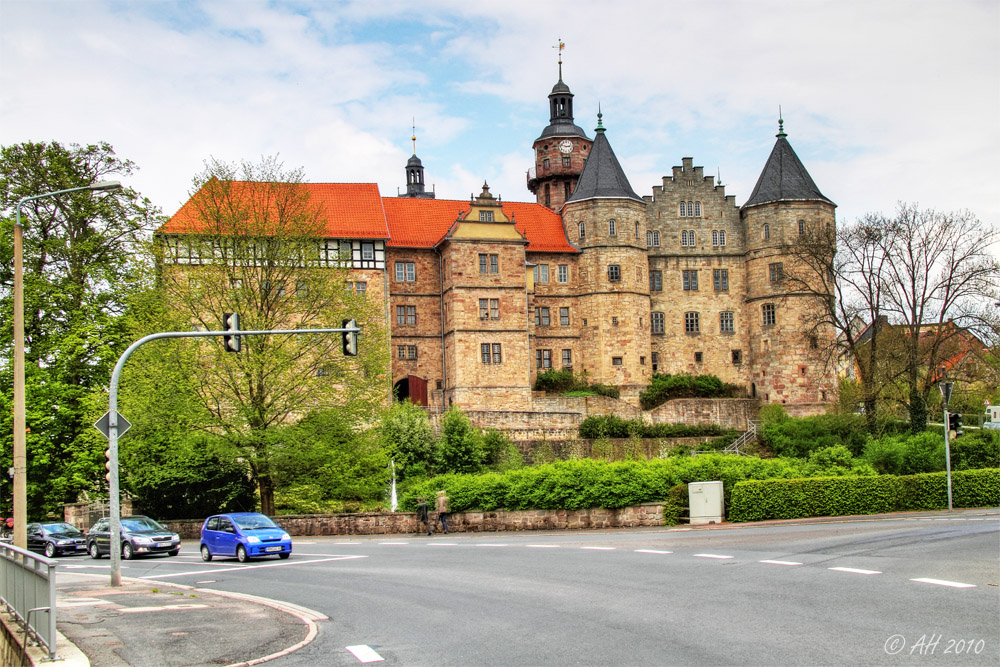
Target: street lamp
{"points": [[20, 458]]}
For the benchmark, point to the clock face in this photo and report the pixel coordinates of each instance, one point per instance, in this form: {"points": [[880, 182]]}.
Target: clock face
{"points": [[565, 146]]}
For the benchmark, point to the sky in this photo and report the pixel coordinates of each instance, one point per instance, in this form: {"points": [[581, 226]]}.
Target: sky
{"points": [[884, 101]]}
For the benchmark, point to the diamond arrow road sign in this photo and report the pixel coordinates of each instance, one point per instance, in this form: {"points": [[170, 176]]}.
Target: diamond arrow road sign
{"points": [[102, 424]]}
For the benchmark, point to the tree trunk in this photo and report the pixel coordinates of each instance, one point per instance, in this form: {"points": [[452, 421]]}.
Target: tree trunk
{"points": [[918, 412], [266, 488]]}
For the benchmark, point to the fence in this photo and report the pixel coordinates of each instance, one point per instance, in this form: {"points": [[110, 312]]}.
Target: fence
{"points": [[28, 592]]}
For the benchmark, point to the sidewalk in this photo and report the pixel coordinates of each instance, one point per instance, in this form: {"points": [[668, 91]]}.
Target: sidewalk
{"points": [[152, 623]]}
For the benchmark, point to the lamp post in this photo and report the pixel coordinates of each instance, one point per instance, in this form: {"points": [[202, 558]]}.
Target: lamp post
{"points": [[20, 456]]}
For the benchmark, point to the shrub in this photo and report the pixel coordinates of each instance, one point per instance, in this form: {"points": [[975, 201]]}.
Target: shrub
{"points": [[461, 443], [794, 498], [978, 449], [773, 413], [800, 437], [565, 382], [665, 386], [611, 426], [407, 435], [675, 504]]}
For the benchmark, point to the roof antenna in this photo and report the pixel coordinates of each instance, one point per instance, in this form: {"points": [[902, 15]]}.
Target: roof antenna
{"points": [[561, 45], [781, 125]]}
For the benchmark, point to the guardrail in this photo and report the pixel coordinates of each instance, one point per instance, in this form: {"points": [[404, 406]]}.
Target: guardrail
{"points": [[28, 592]]}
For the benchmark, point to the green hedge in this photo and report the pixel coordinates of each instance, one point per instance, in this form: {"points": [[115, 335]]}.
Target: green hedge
{"points": [[665, 386], [610, 426], [756, 500]]}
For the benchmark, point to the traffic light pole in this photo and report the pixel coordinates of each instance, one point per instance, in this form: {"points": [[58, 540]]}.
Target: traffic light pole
{"points": [[114, 509], [947, 451]]}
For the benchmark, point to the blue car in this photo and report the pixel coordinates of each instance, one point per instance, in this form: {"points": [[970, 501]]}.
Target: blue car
{"points": [[244, 535]]}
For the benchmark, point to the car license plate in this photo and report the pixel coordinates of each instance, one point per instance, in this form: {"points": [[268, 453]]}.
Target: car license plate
{"points": [[81, 546], [163, 544], [273, 549]]}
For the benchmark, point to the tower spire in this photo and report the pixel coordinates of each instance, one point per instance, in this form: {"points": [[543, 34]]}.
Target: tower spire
{"points": [[560, 45], [781, 125], [413, 137]]}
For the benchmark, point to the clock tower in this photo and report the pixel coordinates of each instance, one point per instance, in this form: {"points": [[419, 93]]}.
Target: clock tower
{"points": [[560, 151]]}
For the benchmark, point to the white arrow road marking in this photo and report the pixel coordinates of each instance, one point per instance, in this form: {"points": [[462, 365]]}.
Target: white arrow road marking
{"points": [[365, 653], [249, 567], [942, 582], [854, 570]]}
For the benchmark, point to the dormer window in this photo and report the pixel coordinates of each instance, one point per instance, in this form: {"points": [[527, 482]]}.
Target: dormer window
{"points": [[486, 216]]}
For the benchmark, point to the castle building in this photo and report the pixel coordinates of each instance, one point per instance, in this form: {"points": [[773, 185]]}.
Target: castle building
{"points": [[482, 295]]}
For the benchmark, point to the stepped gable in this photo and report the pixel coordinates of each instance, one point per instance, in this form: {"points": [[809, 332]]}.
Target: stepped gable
{"points": [[423, 223], [350, 211], [602, 176], [784, 178]]}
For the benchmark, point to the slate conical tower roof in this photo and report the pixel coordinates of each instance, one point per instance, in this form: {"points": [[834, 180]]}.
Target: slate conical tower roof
{"points": [[784, 177], [602, 175]]}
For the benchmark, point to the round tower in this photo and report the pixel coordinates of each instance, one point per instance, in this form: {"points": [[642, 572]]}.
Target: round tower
{"points": [[606, 219], [789, 346], [560, 151]]}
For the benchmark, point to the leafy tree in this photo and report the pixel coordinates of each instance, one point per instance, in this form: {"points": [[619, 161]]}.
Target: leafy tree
{"points": [[408, 437], [84, 256], [256, 239], [461, 443]]}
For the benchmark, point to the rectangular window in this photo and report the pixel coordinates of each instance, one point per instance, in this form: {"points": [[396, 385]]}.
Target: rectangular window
{"points": [[541, 273], [657, 321], [494, 264], [655, 281], [564, 317], [411, 351], [542, 316], [495, 309], [614, 273], [737, 357], [406, 272], [484, 349], [563, 273], [655, 360], [720, 279], [697, 357], [565, 161], [360, 288], [726, 322], [567, 358], [368, 251], [768, 314], [690, 280], [401, 351], [496, 353], [691, 322], [484, 309], [776, 271], [301, 288], [543, 358], [486, 216], [482, 262], [616, 361]]}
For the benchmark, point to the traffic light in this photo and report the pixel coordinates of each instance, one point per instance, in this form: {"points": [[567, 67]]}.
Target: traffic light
{"points": [[107, 464], [349, 339], [955, 423], [231, 322]]}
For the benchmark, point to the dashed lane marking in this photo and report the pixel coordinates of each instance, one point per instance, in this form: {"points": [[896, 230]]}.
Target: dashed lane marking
{"points": [[395, 543], [853, 570], [942, 582], [652, 551], [442, 544], [542, 546], [599, 548], [491, 545], [365, 653], [780, 562], [720, 557], [284, 563]]}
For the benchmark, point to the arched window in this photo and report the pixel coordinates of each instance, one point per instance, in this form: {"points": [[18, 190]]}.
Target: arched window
{"points": [[684, 237], [690, 209], [802, 226], [767, 231], [611, 227], [583, 230], [697, 209], [637, 229], [683, 209]]}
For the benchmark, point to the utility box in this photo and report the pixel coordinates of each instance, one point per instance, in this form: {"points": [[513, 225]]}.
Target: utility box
{"points": [[706, 502]]}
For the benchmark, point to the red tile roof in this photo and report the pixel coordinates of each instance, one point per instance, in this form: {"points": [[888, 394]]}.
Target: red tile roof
{"points": [[350, 210], [355, 210]]}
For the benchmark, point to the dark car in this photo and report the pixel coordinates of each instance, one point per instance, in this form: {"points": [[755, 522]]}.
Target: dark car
{"points": [[245, 535], [140, 536], [56, 539]]}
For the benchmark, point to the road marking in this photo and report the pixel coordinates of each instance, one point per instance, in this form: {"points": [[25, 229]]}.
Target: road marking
{"points": [[599, 548], [86, 567], [396, 543], [652, 551], [365, 653], [442, 544], [67, 603], [780, 562], [542, 546], [853, 570], [942, 582], [491, 545], [170, 607], [711, 556], [249, 567]]}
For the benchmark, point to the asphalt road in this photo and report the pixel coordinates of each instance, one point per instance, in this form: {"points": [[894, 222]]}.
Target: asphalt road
{"points": [[896, 591]]}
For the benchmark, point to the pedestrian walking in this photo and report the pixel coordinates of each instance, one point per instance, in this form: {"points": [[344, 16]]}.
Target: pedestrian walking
{"points": [[441, 504], [422, 515]]}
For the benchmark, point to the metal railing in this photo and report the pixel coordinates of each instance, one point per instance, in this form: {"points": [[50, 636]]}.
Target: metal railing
{"points": [[28, 592]]}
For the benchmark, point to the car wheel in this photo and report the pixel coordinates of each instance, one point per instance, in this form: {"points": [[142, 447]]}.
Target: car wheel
{"points": [[206, 555], [94, 553], [283, 556], [50, 550], [174, 552], [127, 553], [241, 554]]}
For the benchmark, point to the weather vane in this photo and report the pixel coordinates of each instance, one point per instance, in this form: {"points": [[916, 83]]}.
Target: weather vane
{"points": [[413, 137], [560, 45]]}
